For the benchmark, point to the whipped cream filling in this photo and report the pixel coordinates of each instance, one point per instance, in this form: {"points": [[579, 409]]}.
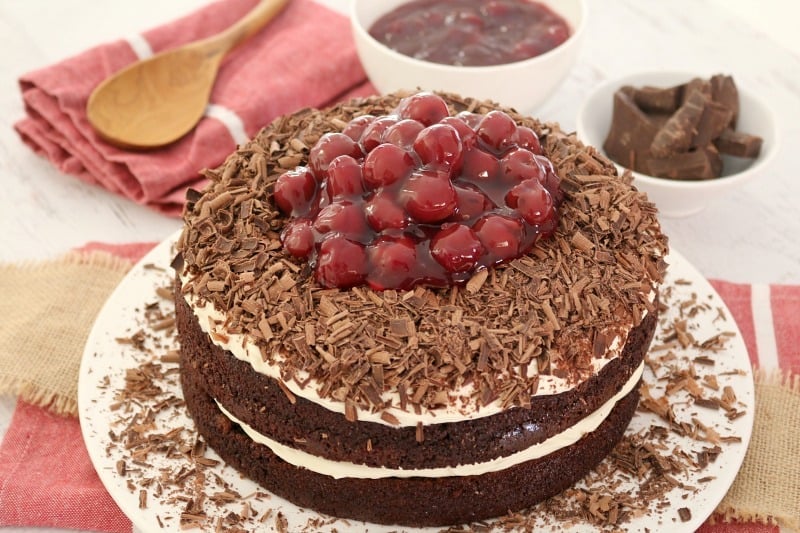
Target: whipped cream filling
{"points": [[212, 322], [344, 469]]}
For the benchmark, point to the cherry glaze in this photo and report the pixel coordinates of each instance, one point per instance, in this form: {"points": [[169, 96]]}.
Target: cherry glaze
{"points": [[418, 197]]}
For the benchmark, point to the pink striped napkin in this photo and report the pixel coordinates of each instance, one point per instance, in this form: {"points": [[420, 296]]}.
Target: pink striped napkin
{"points": [[46, 478], [304, 57]]}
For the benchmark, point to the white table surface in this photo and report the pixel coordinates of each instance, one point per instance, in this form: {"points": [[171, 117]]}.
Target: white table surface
{"points": [[749, 235]]}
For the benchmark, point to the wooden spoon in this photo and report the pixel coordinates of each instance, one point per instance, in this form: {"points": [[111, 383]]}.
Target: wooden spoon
{"points": [[154, 102]]}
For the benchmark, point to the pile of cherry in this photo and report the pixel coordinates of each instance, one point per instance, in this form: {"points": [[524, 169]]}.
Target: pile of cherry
{"points": [[418, 197]]}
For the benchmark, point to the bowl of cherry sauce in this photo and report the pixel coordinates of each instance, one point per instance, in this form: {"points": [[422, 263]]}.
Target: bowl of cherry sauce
{"points": [[513, 52]]}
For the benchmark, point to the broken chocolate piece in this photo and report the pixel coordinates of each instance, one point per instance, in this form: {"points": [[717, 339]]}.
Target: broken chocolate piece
{"points": [[724, 92], [677, 134], [702, 163], [631, 131], [658, 100], [680, 131], [715, 118], [738, 144], [697, 84]]}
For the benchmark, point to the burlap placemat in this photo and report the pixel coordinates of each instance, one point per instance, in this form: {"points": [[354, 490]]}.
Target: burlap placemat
{"points": [[47, 311], [767, 488], [49, 308]]}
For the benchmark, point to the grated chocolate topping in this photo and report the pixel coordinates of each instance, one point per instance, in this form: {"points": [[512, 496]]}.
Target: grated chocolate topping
{"points": [[550, 312]]}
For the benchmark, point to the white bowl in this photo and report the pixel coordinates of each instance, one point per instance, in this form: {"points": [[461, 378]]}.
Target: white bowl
{"points": [[680, 198], [522, 85]]}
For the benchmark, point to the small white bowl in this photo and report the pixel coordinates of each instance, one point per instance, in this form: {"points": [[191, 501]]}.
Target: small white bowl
{"points": [[681, 198], [522, 85]]}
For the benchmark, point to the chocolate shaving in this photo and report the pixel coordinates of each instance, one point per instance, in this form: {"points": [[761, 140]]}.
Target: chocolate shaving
{"points": [[142, 499]]}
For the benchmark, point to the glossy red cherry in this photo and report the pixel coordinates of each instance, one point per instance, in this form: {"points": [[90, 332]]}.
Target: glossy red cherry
{"points": [[472, 203], [373, 133], [465, 132], [383, 212], [392, 263], [355, 128], [545, 163], [470, 119], [478, 166], [343, 217], [532, 201], [386, 164], [553, 185], [344, 178], [520, 164], [456, 247], [403, 133], [298, 237], [294, 191], [497, 131], [341, 263], [500, 235], [424, 107], [527, 138], [428, 195], [439, 146], [329, 147]]}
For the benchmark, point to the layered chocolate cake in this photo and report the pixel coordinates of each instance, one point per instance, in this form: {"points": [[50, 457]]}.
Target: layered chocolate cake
{"points": [[415, 309]]}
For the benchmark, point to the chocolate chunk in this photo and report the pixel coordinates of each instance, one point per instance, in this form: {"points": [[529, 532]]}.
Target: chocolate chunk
{"points": [[702, 163], [739, 144], [631, 131], [715, 118], [658, 100], [677, 134], [724, 92], [696, 84]]}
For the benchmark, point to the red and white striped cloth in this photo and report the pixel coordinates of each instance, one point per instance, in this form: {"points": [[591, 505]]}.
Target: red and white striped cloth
{"points": [[47, 479], [769, 319], [305, 57]]}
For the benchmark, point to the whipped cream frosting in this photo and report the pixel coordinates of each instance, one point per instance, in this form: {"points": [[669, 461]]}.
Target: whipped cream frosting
{"points": [[212, 322], [344, 469]]}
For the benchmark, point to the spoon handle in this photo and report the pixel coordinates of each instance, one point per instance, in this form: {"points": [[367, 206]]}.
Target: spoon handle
{"points": [[244, 27]]}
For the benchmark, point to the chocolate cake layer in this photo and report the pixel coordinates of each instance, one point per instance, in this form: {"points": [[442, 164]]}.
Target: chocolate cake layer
{"points": [[259, 401], [409, 501]]}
